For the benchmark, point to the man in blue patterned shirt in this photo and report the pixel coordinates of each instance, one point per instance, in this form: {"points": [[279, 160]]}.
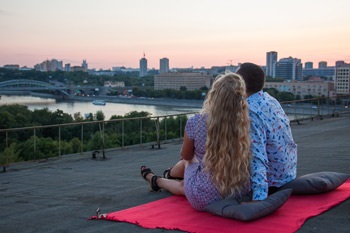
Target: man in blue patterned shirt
{"points": [[274, 153]]}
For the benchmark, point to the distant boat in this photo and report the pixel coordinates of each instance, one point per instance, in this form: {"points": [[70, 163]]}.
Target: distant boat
{"points": [[99, 102]]}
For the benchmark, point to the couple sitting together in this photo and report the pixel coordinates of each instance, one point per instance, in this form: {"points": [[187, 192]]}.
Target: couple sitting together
{"points": [[239, 145]]}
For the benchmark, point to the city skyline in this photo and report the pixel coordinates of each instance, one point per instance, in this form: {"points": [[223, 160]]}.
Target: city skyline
{"points": [[189, 33]]}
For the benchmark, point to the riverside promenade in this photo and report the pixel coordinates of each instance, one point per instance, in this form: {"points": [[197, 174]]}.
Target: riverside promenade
{"points": [[60, 194]]}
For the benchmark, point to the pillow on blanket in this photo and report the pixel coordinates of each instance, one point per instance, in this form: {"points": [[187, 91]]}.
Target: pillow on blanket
{"points": [[231, 208], [314, 183]]}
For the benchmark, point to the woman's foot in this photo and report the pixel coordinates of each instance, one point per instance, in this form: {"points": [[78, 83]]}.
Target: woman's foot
{"points": [[150, 178], [167, 175]]}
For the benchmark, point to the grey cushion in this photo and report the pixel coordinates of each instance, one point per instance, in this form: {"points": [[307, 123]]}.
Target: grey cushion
{"points": [[314, 183], [231, 208]]}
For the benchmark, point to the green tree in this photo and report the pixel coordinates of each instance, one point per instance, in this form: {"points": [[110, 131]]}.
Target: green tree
{"points": [[285, 96], [12, 153], [66, 148], [272, 91], [43, 148], [99, 116], [75, 145]]}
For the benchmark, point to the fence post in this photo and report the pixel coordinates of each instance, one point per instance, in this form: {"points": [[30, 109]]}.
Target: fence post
{"points": [[123, 133], [180, 136], [82, 139], [140, 131], [165, 129], [318, 108], [34, 144], [158, 136], [7, 152], [59, 140]]}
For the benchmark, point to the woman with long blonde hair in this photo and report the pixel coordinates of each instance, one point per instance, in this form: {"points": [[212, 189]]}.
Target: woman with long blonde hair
{"points": [[216, 148]]}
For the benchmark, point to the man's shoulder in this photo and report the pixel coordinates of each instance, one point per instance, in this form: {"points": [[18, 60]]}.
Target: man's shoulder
{"points": [[256, 101], [262, 105]]}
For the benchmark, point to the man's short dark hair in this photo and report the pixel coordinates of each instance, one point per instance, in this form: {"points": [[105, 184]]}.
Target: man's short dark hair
{"points": [[253, 75]]}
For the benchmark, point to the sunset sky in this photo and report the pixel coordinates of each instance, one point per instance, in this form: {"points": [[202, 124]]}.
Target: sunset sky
{"points": [[196, 33]]}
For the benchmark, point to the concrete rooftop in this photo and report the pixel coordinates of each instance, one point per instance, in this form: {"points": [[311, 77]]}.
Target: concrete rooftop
{"points": [[59, 195]]}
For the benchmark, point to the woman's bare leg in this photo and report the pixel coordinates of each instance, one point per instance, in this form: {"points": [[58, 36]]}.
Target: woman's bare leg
{"points": [[176, 187], [178, 170]]}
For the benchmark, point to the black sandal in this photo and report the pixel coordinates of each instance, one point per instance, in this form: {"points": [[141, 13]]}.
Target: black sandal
{"points": [[166, 175], [153, 186]]}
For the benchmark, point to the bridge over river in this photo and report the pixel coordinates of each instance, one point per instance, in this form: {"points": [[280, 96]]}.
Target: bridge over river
{"points": [[27, 85]]}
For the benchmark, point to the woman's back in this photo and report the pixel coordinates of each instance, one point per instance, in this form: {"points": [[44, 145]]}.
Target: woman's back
{"points": [[220, 137]]}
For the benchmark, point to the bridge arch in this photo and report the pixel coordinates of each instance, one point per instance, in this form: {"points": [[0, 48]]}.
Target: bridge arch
{"points": [[32, 85]]}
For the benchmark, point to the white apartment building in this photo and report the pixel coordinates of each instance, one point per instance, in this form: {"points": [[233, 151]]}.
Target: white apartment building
{"points": [[49, 65], [314, 88], [114, 84], [192, 81], [342, 80]]}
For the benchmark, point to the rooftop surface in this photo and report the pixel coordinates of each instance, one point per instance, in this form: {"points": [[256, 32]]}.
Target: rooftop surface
{"points": [[59, 195]]}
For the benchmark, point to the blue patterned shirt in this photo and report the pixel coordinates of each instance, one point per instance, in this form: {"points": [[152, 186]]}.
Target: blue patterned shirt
{"points": [[273, 149]]}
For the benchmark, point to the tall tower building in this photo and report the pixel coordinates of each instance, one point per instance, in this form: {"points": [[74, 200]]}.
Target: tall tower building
{"points": [[143, 66], [84, 65], [271, 59], [289, 68], [164, 65]]}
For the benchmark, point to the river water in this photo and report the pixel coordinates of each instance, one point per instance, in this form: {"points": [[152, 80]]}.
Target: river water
{"points": [[87, 107], [110, 109]]}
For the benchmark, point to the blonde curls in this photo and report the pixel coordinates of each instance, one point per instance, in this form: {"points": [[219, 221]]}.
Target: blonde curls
{"points": [[227, 154]]}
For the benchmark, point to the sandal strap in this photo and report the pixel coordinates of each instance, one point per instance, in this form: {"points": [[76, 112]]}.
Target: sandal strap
{"points": [[166, 175], [145, 171], [154, 184]]}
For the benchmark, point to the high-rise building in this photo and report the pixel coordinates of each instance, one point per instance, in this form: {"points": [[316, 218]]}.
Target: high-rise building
{"points": [[271, 59], [309, 65], [143, 66], [164, 65], [322, 64], [342, 78], [67, 67], [289, 68], [84, 65]]}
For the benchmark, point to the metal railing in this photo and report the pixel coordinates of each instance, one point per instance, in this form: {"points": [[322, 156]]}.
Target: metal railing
{"points": [[98, 136], [299, 110], [144, 130]]}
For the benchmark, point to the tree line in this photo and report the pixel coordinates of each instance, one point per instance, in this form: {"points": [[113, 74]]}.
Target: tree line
{"points": [[83, 134]]}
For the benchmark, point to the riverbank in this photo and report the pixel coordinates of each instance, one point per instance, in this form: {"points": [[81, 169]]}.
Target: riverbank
{"points": [[115, 99], [143, 101]]}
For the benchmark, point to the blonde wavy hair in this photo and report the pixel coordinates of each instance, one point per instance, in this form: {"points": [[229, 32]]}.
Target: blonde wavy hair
{"points": [[227, 154]]}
